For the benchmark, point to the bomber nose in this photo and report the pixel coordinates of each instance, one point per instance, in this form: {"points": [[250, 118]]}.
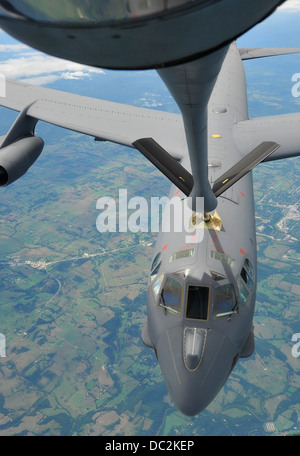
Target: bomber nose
{"points": [[195, 363]]}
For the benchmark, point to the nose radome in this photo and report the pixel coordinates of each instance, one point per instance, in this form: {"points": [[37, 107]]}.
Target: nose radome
{"points": [[195, 379], [193, 347]]}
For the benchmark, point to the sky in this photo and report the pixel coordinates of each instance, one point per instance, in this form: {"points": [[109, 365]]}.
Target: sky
{"points": [[25, 64], [20, 62]]}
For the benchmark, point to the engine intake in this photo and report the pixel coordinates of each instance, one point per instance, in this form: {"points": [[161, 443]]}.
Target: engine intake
{"points": [[3, 176], [18, 157]]}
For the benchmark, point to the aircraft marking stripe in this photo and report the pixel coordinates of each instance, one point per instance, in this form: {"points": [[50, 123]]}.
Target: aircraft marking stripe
{"points": [[173, 358], [211, 364]]}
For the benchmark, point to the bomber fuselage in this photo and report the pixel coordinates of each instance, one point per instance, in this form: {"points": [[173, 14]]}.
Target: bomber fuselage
{"points": [[201, 291]]}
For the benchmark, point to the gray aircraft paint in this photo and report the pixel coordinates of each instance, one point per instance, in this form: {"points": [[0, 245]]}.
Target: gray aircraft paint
{"points": [[226, 337]]}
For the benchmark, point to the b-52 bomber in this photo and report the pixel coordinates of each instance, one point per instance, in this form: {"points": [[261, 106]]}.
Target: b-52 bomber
{"points": [[201, 291]]}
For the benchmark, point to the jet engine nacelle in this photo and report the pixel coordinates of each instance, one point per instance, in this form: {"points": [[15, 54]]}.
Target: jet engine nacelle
{"points": [[18, 157]]}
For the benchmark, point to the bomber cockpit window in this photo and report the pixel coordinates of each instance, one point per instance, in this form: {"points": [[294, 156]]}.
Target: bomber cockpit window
{"points": [[171, 296], [221, 256], [249, 268], [224, 301], [244, 292], [155, 266], [155, 272], [197, 302], [247, 274], [156, 260], [245, 281], [186, 253], [157, 285]]}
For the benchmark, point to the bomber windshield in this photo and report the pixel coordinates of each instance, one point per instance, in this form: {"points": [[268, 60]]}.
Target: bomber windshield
{"points": [[171, 296], [224, 301], [90, 11], [197, 302]]}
